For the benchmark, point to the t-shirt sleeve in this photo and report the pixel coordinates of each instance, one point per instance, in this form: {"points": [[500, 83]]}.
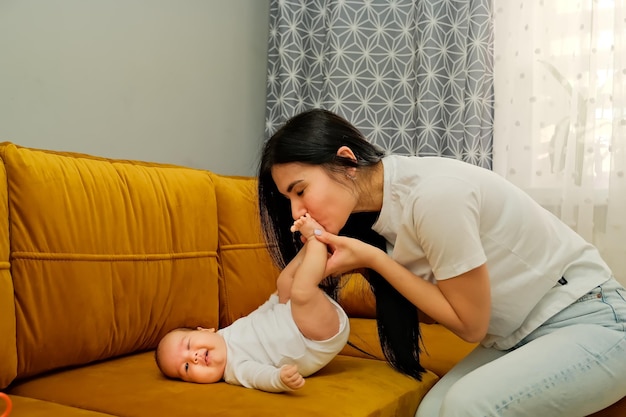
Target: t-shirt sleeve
{"points": [[446, 217], [259, 376]]}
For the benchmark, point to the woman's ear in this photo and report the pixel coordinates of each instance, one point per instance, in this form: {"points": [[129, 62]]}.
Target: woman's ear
{"points": [[346, 152]]}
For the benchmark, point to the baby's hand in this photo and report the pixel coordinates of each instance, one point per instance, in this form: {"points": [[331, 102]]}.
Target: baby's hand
{"points": [[306, 225], [290, 376]]}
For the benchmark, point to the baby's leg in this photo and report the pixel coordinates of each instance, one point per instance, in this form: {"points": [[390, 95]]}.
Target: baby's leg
{"points": [[284, 282], [313, 312], [306, 225]]}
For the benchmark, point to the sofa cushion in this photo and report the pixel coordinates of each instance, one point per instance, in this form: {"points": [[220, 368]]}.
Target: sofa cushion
{"points": [[8, 352], [106, 255], [441, 349], [133, 387], [247, 275], [356, 297], [23, 406]]}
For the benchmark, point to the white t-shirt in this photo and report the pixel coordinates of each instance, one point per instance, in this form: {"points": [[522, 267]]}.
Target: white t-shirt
{"points": [[442, 217], [258, 344]]}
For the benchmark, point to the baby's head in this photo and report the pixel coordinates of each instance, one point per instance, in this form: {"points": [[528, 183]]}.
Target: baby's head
{"points": [[192, 355]]}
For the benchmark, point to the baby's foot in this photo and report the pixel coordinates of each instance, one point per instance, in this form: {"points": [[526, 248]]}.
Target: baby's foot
{"points": [[306, 225]]}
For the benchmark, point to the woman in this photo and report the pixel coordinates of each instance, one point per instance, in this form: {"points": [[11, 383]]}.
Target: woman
{"points": [[467, 248]]}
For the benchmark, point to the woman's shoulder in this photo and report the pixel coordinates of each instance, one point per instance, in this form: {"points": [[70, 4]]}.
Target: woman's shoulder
{"points": [[401, 169], [428, 162]]}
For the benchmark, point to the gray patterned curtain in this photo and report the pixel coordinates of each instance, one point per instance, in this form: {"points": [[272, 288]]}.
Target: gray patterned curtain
{"points": [[414, 76]]}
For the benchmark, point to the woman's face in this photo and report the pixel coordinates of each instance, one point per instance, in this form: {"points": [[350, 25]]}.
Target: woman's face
{"points": [[310, 189]]}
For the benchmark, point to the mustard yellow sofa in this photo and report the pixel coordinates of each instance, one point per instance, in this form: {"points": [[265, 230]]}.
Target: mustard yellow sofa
{"points": [[99, 258]]}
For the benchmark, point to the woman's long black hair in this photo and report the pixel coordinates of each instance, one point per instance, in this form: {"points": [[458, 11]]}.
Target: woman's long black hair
{"points": [[314, 137]]}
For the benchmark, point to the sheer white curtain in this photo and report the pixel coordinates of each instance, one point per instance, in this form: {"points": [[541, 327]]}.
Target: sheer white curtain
{"points": [[559, 122]]}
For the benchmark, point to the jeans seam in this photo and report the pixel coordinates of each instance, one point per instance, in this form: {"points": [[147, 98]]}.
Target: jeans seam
{"points": [[622, 296], [591, 357], [604, 300]]}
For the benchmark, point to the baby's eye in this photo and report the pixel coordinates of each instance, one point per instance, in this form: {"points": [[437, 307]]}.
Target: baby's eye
{"points": [[186, 367]]}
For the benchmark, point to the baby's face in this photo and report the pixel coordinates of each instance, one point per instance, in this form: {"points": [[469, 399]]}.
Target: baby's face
{"points": [[193, 355]]}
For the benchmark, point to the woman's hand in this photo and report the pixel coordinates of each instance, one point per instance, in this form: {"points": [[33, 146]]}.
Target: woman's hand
{"points": [[346, 254]]}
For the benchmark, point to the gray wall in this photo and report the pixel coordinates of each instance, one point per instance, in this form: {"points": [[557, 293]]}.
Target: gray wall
{"points": [[175, 81]]}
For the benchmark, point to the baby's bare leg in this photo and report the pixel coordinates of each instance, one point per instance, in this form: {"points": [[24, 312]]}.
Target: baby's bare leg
{"points": [[312, 311], [306, 225], [284, 282]]}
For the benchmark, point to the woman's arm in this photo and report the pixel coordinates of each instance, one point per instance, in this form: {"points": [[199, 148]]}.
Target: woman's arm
{"points": [[462, 304]]}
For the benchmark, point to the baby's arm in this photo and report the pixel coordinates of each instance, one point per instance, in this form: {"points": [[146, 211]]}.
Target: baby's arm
{"points": [[267, 378], [290, 376]]}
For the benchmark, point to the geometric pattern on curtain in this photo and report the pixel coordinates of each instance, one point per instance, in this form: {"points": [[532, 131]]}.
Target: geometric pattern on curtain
{"points": [[416, 77]]}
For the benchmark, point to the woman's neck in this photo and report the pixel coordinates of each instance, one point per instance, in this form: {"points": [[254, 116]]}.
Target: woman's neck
{"points": [[371, 189]]}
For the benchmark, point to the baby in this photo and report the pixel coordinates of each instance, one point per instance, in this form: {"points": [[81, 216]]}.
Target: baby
{"points": [[295, 333]]}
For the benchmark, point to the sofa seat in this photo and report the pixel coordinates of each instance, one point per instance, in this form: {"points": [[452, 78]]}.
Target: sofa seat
{"points": [[29, 407], [441, 349], [131, 386]]}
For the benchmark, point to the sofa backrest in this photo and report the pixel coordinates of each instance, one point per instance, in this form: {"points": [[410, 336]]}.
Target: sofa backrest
{"points": [[247, 275], [8, 352], [106, 256]]}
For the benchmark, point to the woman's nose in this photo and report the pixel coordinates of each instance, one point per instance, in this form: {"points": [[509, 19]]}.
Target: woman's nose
{"points": [[297, 210]]}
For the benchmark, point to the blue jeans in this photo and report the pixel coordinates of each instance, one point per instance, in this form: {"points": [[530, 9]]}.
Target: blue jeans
{"points": [[573, 365]]}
